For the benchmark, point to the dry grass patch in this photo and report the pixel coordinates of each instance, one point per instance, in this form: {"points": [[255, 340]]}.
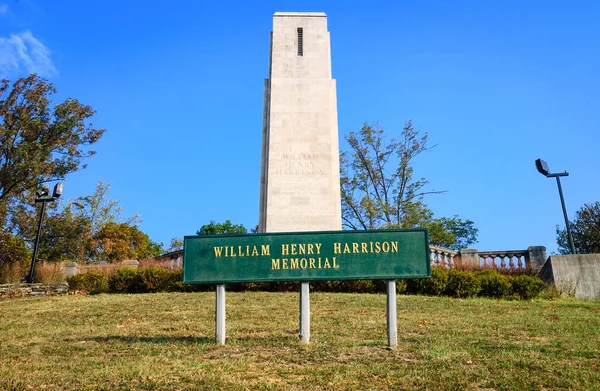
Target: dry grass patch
{"points": [[165, 342]]}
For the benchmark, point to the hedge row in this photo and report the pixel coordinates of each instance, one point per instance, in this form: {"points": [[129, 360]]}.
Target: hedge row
{"points": [[486, 283], [454, 283]]}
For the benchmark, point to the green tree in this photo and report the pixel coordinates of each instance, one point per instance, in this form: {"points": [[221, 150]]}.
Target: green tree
{"points": [[39, 143], [452, 233], [226, 228], [100, 208], [585, 229], [379, 189], [175, 245], [69, 226], [13, 250], [65, 236]]}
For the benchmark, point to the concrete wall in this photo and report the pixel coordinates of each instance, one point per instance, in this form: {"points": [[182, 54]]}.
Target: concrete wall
{"points": [[577, 275], [73, 268]]}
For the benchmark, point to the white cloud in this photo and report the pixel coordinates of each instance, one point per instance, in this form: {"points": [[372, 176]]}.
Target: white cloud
{"points": [[3, 9], [23, 52]]}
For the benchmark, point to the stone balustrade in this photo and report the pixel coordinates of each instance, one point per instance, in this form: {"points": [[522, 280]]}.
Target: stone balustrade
{"points": [[532, 258], [442, 257], [511, 259]]}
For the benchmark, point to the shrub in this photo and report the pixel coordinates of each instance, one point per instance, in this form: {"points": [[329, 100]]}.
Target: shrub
{"points": [[462, 284], [13, 253], [551, 292], [434, 286], [92, 282], [153, 279], [358, 286], [493, 284], [526, 287], [125, 280], [401, 286], [173, 281]]}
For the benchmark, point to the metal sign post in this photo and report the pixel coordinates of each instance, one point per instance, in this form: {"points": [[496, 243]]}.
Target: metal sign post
{"points": [[304, 329], [220, 315], [392, 318]]}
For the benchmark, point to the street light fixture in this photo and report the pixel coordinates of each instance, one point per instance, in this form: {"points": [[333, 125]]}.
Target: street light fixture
{"points": [[42, 196], [543, 169]]}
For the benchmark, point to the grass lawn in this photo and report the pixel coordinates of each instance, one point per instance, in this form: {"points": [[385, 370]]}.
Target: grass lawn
{"points": [[165, 342]]}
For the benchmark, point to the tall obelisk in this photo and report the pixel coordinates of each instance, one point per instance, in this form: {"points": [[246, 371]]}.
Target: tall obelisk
{"points": [[300, 178]]}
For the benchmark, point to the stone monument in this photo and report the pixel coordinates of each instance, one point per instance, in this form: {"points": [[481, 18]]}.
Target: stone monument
{"points": [[300, 177]]}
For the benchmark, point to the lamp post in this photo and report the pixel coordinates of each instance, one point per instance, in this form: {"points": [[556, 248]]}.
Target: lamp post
{"points": [[42, 196], [543, 169]]}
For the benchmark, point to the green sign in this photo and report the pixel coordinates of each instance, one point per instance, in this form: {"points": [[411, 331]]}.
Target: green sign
{"points": [[306, 256]]}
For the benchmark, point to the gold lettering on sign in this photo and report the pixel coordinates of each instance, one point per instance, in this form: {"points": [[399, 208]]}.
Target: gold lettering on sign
{"points": [[365, 247], [265, 249], [241, 251], [301, 248], [385, 246], [318, 245], [293, 263], [303, 263]]}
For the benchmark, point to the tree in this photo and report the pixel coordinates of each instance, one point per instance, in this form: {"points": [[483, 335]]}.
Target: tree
{"points": [[585, 229], [117, 242], [100, 208], [39, 143], [377, 184], [69, 227], [13, 250], [175, 245], [66, 236], [379, 190], [452, 233], [226, 228]]}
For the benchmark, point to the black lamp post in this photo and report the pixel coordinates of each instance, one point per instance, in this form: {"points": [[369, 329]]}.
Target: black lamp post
{"points": [[42, 196], [543, 169]]}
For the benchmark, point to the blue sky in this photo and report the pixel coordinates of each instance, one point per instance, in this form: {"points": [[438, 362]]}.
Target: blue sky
{"points": [[179, 87]]}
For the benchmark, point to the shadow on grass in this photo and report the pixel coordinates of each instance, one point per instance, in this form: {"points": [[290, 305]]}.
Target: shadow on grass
{"points": [[192, 340], [157, 339]]}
